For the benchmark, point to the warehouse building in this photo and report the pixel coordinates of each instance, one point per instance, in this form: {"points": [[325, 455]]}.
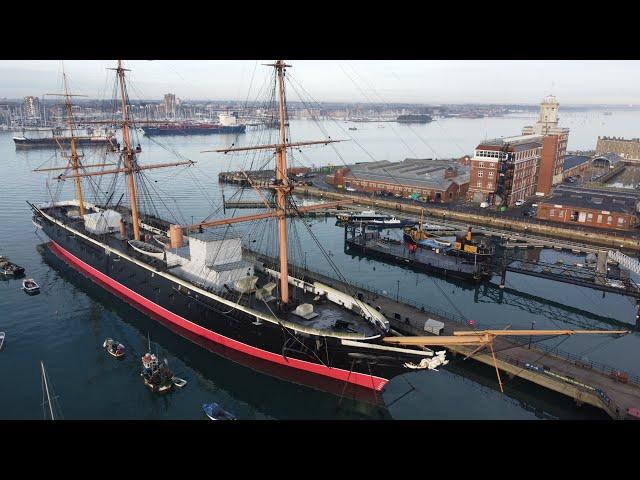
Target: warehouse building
{"points": [[423, 179], [590, 207], [576, 165]]}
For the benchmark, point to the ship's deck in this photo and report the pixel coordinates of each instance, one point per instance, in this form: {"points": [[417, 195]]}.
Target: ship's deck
{"points": [[330, 316]]}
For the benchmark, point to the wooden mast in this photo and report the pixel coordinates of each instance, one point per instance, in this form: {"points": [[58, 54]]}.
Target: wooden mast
{"points": [[74, 151], [129, 155], [282, 188], [72, 138], [130, 163], [46, 387], [282, 185]]}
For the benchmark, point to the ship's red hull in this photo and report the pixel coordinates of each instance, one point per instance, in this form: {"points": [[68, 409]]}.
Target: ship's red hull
{"points": [[155, 311]]}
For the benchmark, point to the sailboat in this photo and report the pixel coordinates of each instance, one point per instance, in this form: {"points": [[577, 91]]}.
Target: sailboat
{"points": [[247, 307]]}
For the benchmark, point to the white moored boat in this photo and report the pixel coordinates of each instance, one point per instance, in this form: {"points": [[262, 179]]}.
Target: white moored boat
{"points": [[30, 286], [179, 382]]}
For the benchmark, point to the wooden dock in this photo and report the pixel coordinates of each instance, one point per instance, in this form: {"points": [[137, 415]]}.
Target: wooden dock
{"points": [[586, 382]]}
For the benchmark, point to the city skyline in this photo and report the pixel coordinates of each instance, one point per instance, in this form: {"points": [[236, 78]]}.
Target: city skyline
{"points": [[412, 82]]}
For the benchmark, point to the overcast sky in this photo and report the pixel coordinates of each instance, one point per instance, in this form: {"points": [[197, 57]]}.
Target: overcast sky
{"points": [[433, 81]]}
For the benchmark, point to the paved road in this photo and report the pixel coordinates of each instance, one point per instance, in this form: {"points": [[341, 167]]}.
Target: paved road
{"points": [[512, 212]]}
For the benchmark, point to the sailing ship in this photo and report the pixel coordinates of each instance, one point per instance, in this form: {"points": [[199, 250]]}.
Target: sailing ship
{"points": [[211, 289]]}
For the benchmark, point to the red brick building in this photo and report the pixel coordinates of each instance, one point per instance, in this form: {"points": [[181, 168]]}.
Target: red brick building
{"points": [[504, 170], [594, 208], [576, 165], [427, 179], [554, 147]]}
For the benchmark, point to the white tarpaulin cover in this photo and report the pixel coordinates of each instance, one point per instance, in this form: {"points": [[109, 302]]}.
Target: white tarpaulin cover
{"points": [[102, 222]]}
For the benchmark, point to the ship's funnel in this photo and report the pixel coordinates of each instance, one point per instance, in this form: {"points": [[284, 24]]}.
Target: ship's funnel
{"points": [[123, 230], [175, 235]]}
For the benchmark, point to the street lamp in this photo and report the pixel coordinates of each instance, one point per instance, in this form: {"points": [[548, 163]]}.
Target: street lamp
{"points": [[532, 327]]}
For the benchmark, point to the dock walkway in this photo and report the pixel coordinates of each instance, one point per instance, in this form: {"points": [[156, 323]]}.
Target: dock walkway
{"points": [[586, 382]]}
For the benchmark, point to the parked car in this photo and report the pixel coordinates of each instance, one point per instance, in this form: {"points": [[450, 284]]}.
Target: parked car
{"points": [[484, 205], [519, 203]]}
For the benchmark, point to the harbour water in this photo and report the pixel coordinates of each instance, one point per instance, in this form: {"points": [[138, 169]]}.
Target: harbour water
{"points": [[66, 324]]}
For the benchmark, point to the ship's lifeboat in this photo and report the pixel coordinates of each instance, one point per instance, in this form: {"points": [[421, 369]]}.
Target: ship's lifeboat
{"points": [[147, 249]]}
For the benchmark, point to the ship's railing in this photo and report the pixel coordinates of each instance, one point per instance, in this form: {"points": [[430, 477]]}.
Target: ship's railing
{"points": [[612, 406], [549, 350]]}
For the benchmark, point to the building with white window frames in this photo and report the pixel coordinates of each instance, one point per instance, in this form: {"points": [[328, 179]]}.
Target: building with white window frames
{"points": [[504, 170]]}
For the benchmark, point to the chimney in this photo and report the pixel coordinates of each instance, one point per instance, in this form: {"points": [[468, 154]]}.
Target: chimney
{"points": [[175, 234]]}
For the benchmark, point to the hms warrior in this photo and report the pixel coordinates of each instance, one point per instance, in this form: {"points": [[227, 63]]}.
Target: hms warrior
{"points": [[207, 288]]}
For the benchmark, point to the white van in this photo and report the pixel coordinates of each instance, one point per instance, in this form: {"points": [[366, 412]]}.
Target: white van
{"points": [[484, 205]]}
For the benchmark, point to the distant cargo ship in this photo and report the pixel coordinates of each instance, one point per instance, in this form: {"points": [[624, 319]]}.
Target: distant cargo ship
{"points": [[63, 142], [414, 118], [227, 124]]}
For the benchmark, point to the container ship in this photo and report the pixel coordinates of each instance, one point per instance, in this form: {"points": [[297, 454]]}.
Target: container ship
{"points": [[199, 280], [228, 123]]}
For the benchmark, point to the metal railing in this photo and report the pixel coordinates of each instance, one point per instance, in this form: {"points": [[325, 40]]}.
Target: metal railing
{"points": [[613, 407], [570, 357], [548, 350], [485, 213]]}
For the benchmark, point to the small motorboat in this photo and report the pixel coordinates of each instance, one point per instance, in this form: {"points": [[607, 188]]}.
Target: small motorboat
{"points": [[2, 335], [114, 348], [30, 286], [147, 248], [156, 375], [179, 382], [10, 269], [216, 412]]}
